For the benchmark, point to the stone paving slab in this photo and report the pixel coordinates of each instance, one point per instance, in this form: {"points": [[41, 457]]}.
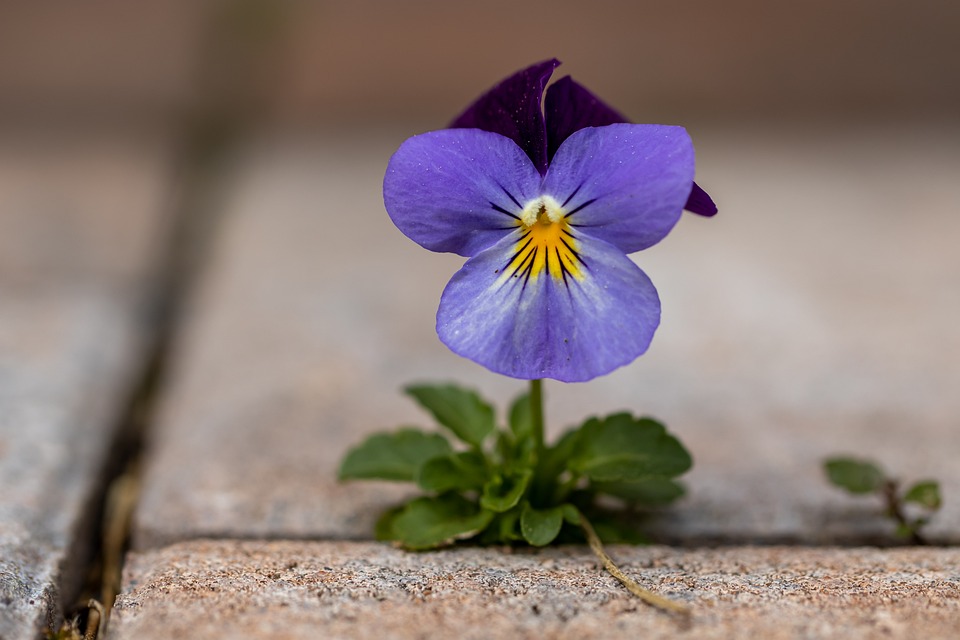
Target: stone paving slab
{"points": [[815, 315], [80, 221], [286, 590]]}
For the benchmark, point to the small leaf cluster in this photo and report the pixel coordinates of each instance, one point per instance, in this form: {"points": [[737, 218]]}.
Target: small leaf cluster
{"points": [[861, 477], [495, 485]]}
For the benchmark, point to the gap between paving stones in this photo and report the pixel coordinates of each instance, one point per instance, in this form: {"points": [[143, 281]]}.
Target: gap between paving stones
{"points": [[111, 509], [83, 213]]}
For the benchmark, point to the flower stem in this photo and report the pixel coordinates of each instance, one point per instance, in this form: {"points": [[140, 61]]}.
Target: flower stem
{"points": [[649, 597], [536, 416]]}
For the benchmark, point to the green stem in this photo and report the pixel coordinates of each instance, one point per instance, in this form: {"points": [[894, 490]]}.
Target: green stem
{"points": [[536, 416], [540, 487], [647, 596]]}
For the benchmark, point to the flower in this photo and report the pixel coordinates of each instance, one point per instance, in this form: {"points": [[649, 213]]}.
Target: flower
{"points": [[546, 208]]}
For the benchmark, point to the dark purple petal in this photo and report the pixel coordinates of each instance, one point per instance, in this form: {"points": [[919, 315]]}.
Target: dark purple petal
{"points": [[567, 329], [513, 109], [623, 183], [700, 203], [458, 190], [569, 107]]}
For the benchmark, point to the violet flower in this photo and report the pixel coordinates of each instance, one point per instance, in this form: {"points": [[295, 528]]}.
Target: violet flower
{"points": [[546, 209]]}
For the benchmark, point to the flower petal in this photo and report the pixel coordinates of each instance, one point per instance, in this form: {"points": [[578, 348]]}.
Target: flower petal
{"points": [[623, 183], [458, 190], [700, 203], [513, 109], [569, 107], [567, 328]]}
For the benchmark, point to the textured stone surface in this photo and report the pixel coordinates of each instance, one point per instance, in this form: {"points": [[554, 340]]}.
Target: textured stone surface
{"points": [[79, 223], [286, 590], [815, 315]]}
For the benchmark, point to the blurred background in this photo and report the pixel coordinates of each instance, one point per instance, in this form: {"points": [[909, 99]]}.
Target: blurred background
{"points": [[364, 62]]}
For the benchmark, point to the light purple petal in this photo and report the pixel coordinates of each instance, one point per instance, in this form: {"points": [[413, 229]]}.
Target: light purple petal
{"points": [[513, 109], [458, 190], [700, 203], [547, 327], [569, 107], [623, 183]]}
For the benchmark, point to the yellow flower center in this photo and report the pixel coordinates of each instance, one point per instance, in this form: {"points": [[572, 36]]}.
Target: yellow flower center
{"points": [[546, 243]]}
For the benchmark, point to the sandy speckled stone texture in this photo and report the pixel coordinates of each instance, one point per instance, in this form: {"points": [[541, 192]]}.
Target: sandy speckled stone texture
{"points": [[293, 590]]}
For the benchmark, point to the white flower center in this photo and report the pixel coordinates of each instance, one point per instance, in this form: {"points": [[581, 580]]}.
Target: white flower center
{"points": [[545, 243], [544, 209]]}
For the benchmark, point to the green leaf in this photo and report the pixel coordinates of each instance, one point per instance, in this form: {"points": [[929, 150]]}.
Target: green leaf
{"points": [[655, 491], [521, 417], [426, 523], [503, 529], [540, 526], [926, 494], [394, 456], [460, 410], [621, 447], [503, 493], [383, 529], [557, 457], [856, 476], [571, 514], [515, 454], [456, 471]]}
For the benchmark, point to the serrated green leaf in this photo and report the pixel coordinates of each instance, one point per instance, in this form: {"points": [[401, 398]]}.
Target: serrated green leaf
{"points": [[393, 456], [623, 448], [540, 526], [926, 494], [502, 493], [455, 471], [856, 476], [521, 417], [460, 410], [426, 523], [650, 492]]}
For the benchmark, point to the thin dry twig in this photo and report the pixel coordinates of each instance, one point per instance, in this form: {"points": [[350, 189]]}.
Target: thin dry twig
{"points": [[651, 598]]}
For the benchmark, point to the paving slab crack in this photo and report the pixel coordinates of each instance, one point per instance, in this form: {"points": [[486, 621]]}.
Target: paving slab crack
{"points": [[108, 523]]}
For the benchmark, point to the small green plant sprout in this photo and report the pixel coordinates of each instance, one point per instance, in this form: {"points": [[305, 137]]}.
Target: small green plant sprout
{"points": [[501, 485], [861, 477]]}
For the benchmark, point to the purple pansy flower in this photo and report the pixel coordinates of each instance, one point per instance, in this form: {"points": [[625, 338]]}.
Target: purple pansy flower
{"points": [[546, 209]]}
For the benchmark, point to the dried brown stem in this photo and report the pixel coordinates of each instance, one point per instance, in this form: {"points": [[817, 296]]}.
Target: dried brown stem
{"points": [[651, 598], [895, 509]]}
